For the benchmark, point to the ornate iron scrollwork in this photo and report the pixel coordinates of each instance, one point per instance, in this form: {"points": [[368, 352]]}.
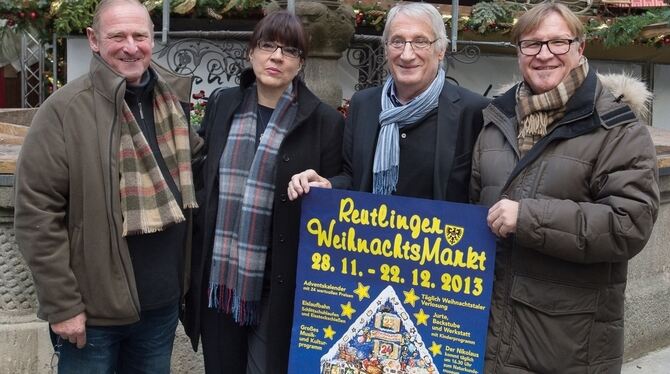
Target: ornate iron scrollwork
{"points": [[366, 55], [469, 54], [223, 54], [224, 59]]}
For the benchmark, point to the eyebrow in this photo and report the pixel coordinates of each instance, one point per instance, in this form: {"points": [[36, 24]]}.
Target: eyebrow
{"points": [[115, 34]]}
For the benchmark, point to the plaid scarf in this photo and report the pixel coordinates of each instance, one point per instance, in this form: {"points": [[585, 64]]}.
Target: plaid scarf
{"points": [[244, 216], [147, 204], [392, 118], [538, 112]]}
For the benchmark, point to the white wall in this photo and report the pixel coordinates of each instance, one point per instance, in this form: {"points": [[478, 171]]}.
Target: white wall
{"points": [[661, 111]]}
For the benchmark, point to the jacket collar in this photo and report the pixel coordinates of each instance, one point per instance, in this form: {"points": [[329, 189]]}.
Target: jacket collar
{"points": [[306, 99], [580, 104], [448, 119], [109, 83]]}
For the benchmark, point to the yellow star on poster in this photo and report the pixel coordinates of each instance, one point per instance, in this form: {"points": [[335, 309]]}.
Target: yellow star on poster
{"points": [[328, 332], [421, 317], [362, 291], [435, 349], [410, 297], [347, 310]]}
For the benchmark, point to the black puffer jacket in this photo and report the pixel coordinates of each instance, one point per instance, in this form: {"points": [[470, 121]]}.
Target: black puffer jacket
{"points": [[588, 198]]}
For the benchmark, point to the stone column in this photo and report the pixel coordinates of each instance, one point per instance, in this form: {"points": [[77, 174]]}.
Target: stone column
{"points": [[330, 26], [24, 340]]}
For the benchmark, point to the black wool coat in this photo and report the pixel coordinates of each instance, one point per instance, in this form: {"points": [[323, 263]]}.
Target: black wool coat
{"points": [[314, 142]]}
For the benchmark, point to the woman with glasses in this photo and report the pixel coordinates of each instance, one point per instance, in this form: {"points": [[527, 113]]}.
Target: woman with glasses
{"points": [[569, 172], [245, 246], [413, 136]]}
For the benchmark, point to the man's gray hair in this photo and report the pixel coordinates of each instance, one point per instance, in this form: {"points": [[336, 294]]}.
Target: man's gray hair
{"points": [[424, 11]]}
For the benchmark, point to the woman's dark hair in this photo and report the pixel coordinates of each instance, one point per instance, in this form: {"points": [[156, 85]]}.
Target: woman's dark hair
{"points": [[282, 27]]}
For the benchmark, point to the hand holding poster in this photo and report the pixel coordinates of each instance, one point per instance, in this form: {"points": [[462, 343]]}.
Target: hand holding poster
{"points": [[390, 284]]}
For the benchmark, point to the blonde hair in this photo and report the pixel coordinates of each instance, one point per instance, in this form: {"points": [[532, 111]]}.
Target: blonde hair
{"points": [[532, 19]]}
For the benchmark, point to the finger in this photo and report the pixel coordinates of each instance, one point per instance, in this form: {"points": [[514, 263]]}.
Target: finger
{"points": [[290, 191], [491, 221], [81, 340], [306, 181], [323, 183], [490, 218], [294, 183]]}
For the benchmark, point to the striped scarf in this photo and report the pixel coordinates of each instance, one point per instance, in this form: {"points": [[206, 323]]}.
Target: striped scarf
{"points": [[391, 120], [244, 216], [147, 204], [537, 112]]}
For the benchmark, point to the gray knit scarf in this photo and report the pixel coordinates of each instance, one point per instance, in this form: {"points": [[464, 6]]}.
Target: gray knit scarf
{"points": [[244, 215], [393, 118]]}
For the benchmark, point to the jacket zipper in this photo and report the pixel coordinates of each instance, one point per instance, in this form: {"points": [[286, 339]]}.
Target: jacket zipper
{"points": [[508, 265], [111, 179], [139, 105]]}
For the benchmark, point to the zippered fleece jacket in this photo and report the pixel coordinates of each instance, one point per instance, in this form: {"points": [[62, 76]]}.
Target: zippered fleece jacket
{"points": [[588, 197], [67, 203]]}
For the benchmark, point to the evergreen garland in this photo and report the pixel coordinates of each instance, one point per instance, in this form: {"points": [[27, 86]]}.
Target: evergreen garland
{"points": [[622, 31], [488, 16], [73, 16]]}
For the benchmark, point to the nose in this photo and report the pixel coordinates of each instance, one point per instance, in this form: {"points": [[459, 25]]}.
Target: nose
{"points": [[277, 54], [545, 52], [407, 51], [130, 46]]}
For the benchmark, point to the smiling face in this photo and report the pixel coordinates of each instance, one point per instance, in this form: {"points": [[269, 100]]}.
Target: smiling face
{"points": [[124, 39], [274, 70], [413, 70], [545, 71]]}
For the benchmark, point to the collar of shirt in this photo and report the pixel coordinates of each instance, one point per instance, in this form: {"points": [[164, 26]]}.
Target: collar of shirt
{"points": [[394, 98]]}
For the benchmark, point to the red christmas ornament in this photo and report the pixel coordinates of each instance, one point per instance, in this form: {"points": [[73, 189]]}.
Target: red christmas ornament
{"points": [[33, 15], [21, 14]]}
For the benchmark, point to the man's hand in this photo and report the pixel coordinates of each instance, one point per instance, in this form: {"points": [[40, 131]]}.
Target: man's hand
{"points": [[301, 182], [502, 217], [72, 330]]}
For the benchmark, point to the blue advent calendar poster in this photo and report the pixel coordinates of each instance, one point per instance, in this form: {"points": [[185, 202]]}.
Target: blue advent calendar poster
{"points": [[389, 284]]}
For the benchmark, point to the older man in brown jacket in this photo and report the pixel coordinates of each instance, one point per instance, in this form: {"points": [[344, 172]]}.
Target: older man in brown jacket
{"points": [[103, 198]]}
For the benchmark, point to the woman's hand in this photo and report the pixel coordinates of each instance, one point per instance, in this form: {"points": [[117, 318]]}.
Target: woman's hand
{"points": [[301, 182]]}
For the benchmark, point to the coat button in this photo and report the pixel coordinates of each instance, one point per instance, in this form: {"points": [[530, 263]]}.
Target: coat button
{"points": [[286, 158], [281, 238], [282, 197], [280, 279], [403, 135]]}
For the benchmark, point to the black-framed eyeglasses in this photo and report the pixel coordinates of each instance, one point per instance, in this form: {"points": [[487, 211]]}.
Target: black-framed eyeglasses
{"points": [[286, 51], [556, 46], [420, 43]]}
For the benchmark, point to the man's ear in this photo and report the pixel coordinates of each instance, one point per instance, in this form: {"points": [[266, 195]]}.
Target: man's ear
{"points": [[92, 40]]}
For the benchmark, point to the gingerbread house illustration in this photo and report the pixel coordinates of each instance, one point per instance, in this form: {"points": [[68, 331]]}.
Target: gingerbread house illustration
{"points": [[382, 340]]}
